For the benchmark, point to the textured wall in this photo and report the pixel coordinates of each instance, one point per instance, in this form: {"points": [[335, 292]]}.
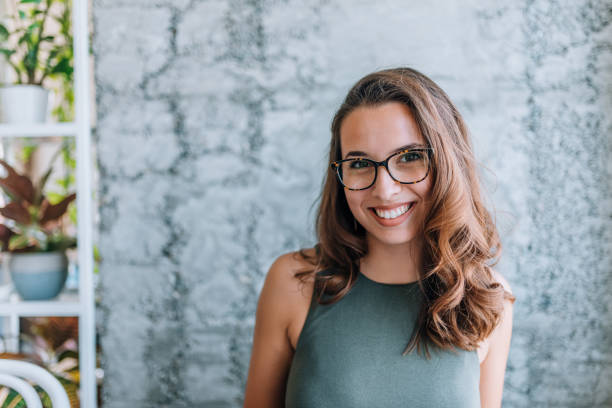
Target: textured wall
{"points": [[212, 132]]}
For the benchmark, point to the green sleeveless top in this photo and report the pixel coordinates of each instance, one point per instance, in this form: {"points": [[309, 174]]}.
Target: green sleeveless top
{"points": [[349, 354]]}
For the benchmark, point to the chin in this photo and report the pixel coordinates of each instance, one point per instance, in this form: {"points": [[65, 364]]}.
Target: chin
{"points": [[393, 239]]}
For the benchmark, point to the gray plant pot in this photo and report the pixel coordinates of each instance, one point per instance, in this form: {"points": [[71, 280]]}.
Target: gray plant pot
{"points": [[38, 275]]}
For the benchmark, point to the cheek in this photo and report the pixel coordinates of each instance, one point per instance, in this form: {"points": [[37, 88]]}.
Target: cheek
{"points": [[354, 199], [425, 195], [423, 190]]}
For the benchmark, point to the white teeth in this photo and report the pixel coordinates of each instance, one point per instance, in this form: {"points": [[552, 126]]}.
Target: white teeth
{"points": [[396, 212]]}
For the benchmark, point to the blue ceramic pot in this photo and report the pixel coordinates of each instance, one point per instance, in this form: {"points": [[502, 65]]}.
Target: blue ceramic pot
{"points": [[38, 275]]}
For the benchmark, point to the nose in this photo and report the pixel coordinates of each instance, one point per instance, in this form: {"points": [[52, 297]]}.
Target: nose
{"points": [[385, 187]]}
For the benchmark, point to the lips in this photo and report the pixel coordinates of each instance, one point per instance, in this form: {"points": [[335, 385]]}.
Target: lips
{"points": [[392, 215], [392, 206]]}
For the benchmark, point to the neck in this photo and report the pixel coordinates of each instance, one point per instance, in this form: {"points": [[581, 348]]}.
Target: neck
{"points": [[392, 263]]}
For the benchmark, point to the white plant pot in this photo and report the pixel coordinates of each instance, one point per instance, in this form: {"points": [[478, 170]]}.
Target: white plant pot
{"points": [[23, 104]]}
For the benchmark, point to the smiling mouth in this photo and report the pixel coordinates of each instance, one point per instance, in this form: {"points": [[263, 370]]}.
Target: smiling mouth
{"points": [[394, 213]]}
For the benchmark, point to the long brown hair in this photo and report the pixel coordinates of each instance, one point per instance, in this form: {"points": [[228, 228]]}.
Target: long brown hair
{"points": [[462, 301]]}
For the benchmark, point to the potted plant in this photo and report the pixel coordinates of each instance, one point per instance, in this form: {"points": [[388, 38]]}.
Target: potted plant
{"points": [[51, 343], [31, 236], [35, 55]]}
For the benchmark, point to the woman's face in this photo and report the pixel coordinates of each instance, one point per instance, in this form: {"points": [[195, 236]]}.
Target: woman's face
{"points": [[376, 133]]}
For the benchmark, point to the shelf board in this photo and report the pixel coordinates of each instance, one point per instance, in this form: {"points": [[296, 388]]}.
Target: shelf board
{"points": [[38, 129], [66, 304]]}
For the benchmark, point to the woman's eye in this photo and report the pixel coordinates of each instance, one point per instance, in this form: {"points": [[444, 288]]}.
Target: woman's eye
{"points": [[359, 164], [411, 156]]}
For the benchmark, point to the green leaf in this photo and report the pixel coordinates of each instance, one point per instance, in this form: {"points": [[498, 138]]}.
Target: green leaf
{"points": [[27, 151], [7, 53], [25, 38], [29, 1], [34, 26], [55, 198], [22, 15], [49, 38], [50, 58], [62, 67], [30, 60], [4, 33], [18, 242]]}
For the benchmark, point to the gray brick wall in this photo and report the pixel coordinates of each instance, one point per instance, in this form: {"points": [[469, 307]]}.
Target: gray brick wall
{"points": [[213, 121]]}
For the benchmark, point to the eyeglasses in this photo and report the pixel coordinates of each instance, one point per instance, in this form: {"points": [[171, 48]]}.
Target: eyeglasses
{"points": [[406, 167]]}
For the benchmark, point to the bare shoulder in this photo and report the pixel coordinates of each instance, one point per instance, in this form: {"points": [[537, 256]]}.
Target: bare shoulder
{"points": [[503, 281], [280, 301], [289, 290], [493, 367], [504, 328], [297, 292], [293, 260], [283, 269]]}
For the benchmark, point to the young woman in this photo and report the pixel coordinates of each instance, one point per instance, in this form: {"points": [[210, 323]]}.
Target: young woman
{"points": [[397, 304]]}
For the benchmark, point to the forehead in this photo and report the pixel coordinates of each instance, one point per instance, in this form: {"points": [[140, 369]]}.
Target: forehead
{"points": [[378, 130]]}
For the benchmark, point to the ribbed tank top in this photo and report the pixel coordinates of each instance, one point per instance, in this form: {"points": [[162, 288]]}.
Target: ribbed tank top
{"points": [[349, 354]]}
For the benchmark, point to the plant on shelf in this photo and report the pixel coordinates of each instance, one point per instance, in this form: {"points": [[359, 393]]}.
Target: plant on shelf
{"points": [[52, 343], [32, 235], [35, 53]]}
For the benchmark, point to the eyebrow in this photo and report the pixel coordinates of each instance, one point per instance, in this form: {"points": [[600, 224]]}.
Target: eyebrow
{"points": [[408, 146]]}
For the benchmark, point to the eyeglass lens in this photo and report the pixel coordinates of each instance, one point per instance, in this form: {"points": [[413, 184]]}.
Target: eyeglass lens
{"points": [[405, 167]]}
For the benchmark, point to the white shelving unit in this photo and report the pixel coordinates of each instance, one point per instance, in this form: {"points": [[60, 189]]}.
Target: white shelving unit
{"points": [[39, 130], [80, 304]]}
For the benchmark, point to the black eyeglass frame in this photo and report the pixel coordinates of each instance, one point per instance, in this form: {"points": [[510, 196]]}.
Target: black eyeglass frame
{"points": [[335, 165]]}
